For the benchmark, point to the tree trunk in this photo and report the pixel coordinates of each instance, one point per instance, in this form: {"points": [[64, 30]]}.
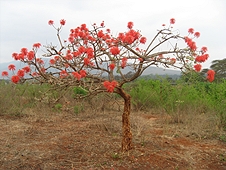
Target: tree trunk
{"points": [[126, 129]]}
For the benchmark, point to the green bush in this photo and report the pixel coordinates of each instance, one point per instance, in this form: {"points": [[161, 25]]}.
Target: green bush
{"points": [[180, 98]]}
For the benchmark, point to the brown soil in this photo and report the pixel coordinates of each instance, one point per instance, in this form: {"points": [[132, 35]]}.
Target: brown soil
{"points": [[65, 141]]}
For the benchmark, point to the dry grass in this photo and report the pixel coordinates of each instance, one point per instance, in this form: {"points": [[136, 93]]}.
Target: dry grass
{"points": [[44, 137]]}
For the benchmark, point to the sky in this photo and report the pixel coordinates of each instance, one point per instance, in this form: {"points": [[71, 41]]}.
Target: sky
{"points": [[25, 22]]}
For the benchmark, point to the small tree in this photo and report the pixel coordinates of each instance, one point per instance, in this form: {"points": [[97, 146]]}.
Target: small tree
{"points": [[91, 59]]}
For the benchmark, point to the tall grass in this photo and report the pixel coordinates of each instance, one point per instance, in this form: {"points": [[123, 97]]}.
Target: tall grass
{"points": [[181, 98]]}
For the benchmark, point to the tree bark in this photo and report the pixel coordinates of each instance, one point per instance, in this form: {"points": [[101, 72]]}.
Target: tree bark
{"points": [[126, 129]]}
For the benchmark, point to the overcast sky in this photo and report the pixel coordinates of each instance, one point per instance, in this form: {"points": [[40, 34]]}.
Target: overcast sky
{"points": [[25, 22]]}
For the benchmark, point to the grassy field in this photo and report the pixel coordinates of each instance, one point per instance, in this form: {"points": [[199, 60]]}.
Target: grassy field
{"points": [[180, 126]]}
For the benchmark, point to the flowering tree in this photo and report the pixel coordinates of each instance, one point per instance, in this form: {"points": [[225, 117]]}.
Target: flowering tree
{"points": [[92, 58]]}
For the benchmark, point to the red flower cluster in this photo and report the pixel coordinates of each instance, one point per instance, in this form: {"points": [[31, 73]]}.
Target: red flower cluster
{"points": [[198, 67], [210, 75], [202, 58], [25, 54], [110, 86], [114, 50], [63, 74], [81, 74], [190, 43]]}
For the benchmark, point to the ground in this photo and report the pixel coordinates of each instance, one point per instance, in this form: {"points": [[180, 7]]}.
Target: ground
{"points": [[58, 141]]}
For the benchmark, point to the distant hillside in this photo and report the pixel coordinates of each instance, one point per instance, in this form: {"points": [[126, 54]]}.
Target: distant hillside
{"points": [[149, 71]]}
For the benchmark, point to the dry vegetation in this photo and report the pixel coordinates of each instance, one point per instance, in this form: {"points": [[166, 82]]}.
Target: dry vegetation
{"points": [[89, 137]]}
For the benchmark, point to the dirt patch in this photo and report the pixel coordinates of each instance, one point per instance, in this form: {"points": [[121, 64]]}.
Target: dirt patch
{"points": [[65, 141]]}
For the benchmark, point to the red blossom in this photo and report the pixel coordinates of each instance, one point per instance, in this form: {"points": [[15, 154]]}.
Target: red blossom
{"points": [[56, 57], [50, 22], [102, 24], [24, 51], [191, 30], [30, 55], [210, 75], [12, 67], [27, 69], [87, 61], [110, 86], [36, 45], [83, 73], [197, 34], [52, 61], [130, 25], [34, 74], [190, 43], [15, 79], [114, 50], [20, 73], [62, 22], [15, 56], [173, 60], [77, 75], [204, 49], [39, 61], [202, 58], [198, 67], [5, 73], [112, 66], [63, 74], [172, 21], [100, 34], [143, 40]]}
